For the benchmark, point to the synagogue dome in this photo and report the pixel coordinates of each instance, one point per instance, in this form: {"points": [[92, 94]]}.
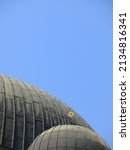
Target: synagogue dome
{"points": [[69, 137], [27, 111]]}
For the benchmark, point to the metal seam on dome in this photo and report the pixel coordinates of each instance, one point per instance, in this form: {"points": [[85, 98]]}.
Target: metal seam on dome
{"points": [[50, 137], [46, 116], [30, 120], [37, 120], [35, 89], [75, 139], [54, 115], [14, 128], [24, 123], [48, 112], [34, 118], [61, 111], [63, 115], [4, 111], [19, 99], [66, 136], [57, 136], [33, 145], [51, 113], [56, 111], [83, 137], [8, 115], [41, 111], [42, 136]]}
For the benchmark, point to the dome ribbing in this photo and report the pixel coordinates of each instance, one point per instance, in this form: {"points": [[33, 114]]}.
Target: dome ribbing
{"points": [[26, 111], [69, 137]]}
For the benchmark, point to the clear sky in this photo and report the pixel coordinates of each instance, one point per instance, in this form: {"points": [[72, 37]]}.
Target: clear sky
{"points": [[65, 48]]}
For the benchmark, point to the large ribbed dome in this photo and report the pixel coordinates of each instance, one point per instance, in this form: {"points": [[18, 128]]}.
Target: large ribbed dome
{"points": [[26, 111], [69, 137]]}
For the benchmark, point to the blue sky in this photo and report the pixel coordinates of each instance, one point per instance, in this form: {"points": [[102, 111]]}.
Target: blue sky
{"points": [[65, 48]]}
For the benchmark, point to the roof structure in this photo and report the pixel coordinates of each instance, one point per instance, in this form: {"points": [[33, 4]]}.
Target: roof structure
{"points": [[26, 111], [69, 137]]}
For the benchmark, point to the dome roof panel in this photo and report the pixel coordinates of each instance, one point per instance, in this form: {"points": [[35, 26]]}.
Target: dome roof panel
{"points": [[69, 137], [26, 111]]}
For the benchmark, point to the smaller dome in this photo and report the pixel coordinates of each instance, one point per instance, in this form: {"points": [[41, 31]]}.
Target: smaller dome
{"points": [[69, 137]]}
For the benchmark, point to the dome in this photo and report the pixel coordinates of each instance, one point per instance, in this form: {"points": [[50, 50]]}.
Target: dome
{"points": [[69, 137], [26, 111]]}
